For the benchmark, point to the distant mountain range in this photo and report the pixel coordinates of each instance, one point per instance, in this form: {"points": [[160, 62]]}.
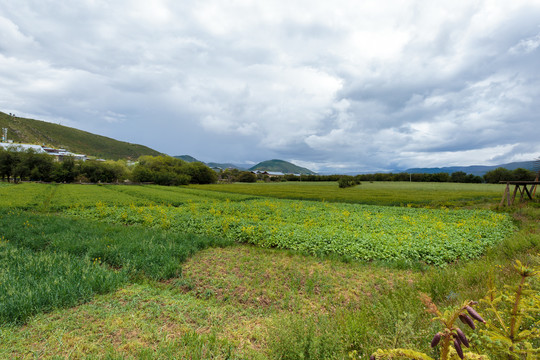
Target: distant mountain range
{"points": [[289, 168], [29, 131], [475, 169], [274, 165], [223, 166]]}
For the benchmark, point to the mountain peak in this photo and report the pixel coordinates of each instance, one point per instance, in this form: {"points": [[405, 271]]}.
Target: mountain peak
{"points": [[281, 166]]}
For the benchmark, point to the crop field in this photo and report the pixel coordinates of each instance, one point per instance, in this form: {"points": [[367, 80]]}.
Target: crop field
{"points": [[376, 193], [357, 232], [174, 195], [69, 258], [63, 196], [248, 271], [29, 196]]}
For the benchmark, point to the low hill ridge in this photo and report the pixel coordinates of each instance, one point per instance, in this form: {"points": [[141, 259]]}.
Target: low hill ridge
{"points": [[275, 165], [30, 131], [187, 158], [281, 166], [474, 169]]}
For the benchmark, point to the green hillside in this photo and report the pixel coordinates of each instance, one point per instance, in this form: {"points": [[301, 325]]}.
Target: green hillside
{"points": [[227, 166], [187, 158], [30, 131], [281, 166]]}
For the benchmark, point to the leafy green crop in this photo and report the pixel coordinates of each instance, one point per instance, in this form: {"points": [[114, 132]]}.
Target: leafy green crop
{"points": [[359, 232]]}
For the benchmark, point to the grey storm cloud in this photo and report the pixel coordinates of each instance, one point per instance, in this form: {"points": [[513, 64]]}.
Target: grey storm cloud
{"points": [[334, 86]]}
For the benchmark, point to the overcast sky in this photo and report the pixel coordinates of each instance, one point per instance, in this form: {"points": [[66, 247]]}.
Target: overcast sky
{"points": [[335, 86]]}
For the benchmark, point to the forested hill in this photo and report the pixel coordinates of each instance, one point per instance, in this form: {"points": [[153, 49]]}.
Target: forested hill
{"points": [[29, 131], [479, 170], [281, 166]]}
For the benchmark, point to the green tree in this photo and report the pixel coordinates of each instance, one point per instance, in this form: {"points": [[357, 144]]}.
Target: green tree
{"points": [[65, 170], [8, 161], [521, 174], [229, 175], [166, 170], [40, 166], [200, 173], [474, 179], [458, 177], [347, 181], [21, 171], [142, 174], [499, 174], [247, 177]]}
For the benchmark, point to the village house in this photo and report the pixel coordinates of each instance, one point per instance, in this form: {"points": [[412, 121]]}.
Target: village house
{"points": [[59, 154]]}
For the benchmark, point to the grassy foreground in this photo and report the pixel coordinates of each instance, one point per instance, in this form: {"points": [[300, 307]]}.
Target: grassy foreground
{"points": [[236, 301]]}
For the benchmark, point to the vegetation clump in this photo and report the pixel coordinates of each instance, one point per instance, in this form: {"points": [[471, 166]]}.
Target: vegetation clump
{"points": [[347, 181], [514, 328], [28, 165], [358, 232]]}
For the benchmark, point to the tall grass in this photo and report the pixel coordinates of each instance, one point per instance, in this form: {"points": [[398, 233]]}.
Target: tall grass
{"points": [[49, 261], [25, 196], [151, 253], [69, 195], [32, 282], [174, 195], [391, 319], [376, 193]]}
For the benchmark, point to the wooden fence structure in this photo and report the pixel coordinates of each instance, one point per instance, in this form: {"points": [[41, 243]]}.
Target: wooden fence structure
{"points": [[521, 186]]}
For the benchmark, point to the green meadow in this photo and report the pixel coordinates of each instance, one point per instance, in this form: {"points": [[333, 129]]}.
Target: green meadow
{"points": [[249, 271], [372, 193]]}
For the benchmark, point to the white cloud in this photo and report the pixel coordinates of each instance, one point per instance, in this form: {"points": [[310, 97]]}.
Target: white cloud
{"points": [[457, 158], [526, 46], [340, 85]]}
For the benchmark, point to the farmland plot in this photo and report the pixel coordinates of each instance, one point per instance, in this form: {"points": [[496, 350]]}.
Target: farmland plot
{"points": [[25, 196], [175, 195], [360, 232]]}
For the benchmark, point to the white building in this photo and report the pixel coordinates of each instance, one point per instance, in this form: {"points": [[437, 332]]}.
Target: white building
{"points": [[59, 154]]}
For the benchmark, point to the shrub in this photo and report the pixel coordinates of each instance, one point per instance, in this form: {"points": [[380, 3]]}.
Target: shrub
{"points": [[247, 177], [347, 181]]}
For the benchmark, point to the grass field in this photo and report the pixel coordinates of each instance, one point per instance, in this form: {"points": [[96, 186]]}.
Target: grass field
{"points": [[181, 282], [374, 193]]}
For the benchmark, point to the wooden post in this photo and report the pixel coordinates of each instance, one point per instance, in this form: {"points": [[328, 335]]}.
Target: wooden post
{"points": [[506, 193], [513, 196], [521, 192], [527, 191]]}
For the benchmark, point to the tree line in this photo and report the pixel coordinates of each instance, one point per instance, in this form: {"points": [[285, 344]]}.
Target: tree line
{"points": [[16, 166], [494, 176], [166, 170]]}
